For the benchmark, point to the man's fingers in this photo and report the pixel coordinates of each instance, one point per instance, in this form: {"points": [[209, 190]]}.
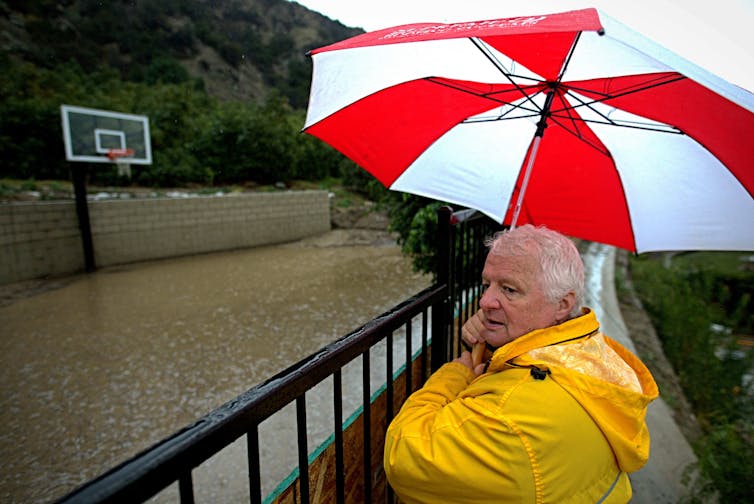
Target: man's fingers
{"points": [[468, 337], [465, 359], [477, 354], [471, 332]]}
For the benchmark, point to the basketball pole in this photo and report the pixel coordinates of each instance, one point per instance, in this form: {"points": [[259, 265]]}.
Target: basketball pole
{"points": [[100, 136], [78, 174]]}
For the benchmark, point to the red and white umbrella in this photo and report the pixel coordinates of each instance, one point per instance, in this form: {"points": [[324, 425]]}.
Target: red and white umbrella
{"points": [[568, 120]]}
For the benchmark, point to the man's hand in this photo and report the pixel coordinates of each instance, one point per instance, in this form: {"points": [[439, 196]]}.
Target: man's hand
{"points": [[471, 332], [465, 359], [473, 336]]}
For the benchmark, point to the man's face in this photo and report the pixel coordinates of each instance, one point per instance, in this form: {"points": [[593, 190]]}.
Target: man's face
{"points": [[513, 301]]}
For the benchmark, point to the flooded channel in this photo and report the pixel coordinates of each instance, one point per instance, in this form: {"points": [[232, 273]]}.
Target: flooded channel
{"points": [[96, 371]]}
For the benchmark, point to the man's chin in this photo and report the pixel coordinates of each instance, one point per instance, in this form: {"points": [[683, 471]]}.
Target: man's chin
{"points": [[497, 338]]}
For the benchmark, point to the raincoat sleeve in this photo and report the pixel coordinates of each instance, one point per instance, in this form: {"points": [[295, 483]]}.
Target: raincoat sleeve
{"points": [[444, 446]]}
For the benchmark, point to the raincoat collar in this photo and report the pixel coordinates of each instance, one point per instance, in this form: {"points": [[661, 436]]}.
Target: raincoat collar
{"points": [[618, 410], [570, 330]]}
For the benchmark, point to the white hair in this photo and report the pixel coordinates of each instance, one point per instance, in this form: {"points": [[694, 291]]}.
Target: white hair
{"points": [[560, 263]]}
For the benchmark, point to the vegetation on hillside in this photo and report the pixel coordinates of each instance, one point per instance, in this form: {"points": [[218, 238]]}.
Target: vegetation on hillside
{"points": [[132, 57], [160, 40], [196, 139], [702, 307]]}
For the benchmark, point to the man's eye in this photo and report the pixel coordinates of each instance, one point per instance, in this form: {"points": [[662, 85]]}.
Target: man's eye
{"points": [[508, 290]]}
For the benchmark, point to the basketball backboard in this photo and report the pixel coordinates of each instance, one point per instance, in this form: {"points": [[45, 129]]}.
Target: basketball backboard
{"points": [[94, 136]]}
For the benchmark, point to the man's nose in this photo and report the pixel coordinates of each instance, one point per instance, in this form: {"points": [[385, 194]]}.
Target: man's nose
{"points": [[488, 300]]}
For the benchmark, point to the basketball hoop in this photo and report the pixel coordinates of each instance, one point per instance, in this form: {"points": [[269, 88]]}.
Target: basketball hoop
{"points": [[120, 157], [116, 154]]}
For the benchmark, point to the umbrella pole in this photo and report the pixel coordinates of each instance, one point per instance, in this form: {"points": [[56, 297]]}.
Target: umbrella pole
{"points": [[535, 147], [525, 183]]}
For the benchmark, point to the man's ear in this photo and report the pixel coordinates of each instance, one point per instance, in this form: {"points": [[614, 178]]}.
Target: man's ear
{"points": [[565, 306]]}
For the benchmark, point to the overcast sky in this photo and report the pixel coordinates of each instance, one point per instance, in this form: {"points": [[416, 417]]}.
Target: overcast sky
{"points": [[715, 34]]}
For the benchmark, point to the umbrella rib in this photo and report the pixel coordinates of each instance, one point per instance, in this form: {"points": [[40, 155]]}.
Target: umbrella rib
{"points": [[443, 82], [568, 58], [488, 54], [472, 120], [659, 81], [571, 118], [489, 96], [575, 133], [605, 97], [570, 107], [608, 120], [673, 131]]}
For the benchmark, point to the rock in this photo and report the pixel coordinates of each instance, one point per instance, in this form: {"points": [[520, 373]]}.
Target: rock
{"points": [[359, 217]]}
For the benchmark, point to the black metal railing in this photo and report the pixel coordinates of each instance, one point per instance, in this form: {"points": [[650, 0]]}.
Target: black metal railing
{"points": [[173, 459], [462, 268]]}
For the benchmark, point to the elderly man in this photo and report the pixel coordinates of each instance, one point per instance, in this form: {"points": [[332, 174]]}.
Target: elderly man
{"points": [[554, 413]]}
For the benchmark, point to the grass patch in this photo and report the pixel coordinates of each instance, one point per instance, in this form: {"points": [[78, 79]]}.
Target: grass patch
{"points": [[31, 189], [24, 190], [730, 264]]}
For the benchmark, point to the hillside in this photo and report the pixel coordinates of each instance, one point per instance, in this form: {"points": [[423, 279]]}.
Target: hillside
{"points": [[224, 84], [237, 50]]}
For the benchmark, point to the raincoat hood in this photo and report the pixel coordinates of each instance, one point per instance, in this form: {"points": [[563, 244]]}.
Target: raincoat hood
{"points": [[609, 381]]}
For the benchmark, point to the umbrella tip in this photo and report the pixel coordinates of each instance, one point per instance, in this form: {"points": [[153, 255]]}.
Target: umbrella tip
{"points": [[601, 32]]}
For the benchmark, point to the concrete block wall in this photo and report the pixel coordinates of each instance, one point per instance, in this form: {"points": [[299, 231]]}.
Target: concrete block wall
{"points": [[38, 239], [42, 238]]}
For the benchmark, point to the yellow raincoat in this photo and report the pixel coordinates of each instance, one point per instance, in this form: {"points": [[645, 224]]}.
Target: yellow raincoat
{"points": [[557, 417]]}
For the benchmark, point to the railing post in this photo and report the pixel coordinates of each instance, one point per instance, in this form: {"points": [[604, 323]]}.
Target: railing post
{"points": [[440, 311]]}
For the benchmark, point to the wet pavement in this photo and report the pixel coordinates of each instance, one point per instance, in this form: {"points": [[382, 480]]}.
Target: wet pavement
{"points": [[97, 370]]}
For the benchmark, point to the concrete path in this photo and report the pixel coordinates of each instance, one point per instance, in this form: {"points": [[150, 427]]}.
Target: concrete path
{"points": [[660, 480]]}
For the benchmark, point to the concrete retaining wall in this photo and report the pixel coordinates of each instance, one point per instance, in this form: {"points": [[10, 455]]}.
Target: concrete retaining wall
{"points": [[42, 238]]}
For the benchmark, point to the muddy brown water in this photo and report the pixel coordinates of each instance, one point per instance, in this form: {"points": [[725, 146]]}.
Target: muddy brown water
{"points": [[105, 366]]}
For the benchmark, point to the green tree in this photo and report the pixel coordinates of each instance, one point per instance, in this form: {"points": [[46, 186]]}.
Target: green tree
{"points": [[414, 218], [165, 70], [176, 113], [31, 143], [247, 142]]}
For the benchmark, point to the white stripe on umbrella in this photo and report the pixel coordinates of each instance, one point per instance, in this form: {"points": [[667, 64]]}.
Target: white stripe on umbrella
{"points": [[680, 197], [344, 77], [464, 176]]}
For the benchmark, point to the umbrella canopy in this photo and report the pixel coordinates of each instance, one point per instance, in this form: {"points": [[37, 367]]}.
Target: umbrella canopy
{"points": [[568, 120]]}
